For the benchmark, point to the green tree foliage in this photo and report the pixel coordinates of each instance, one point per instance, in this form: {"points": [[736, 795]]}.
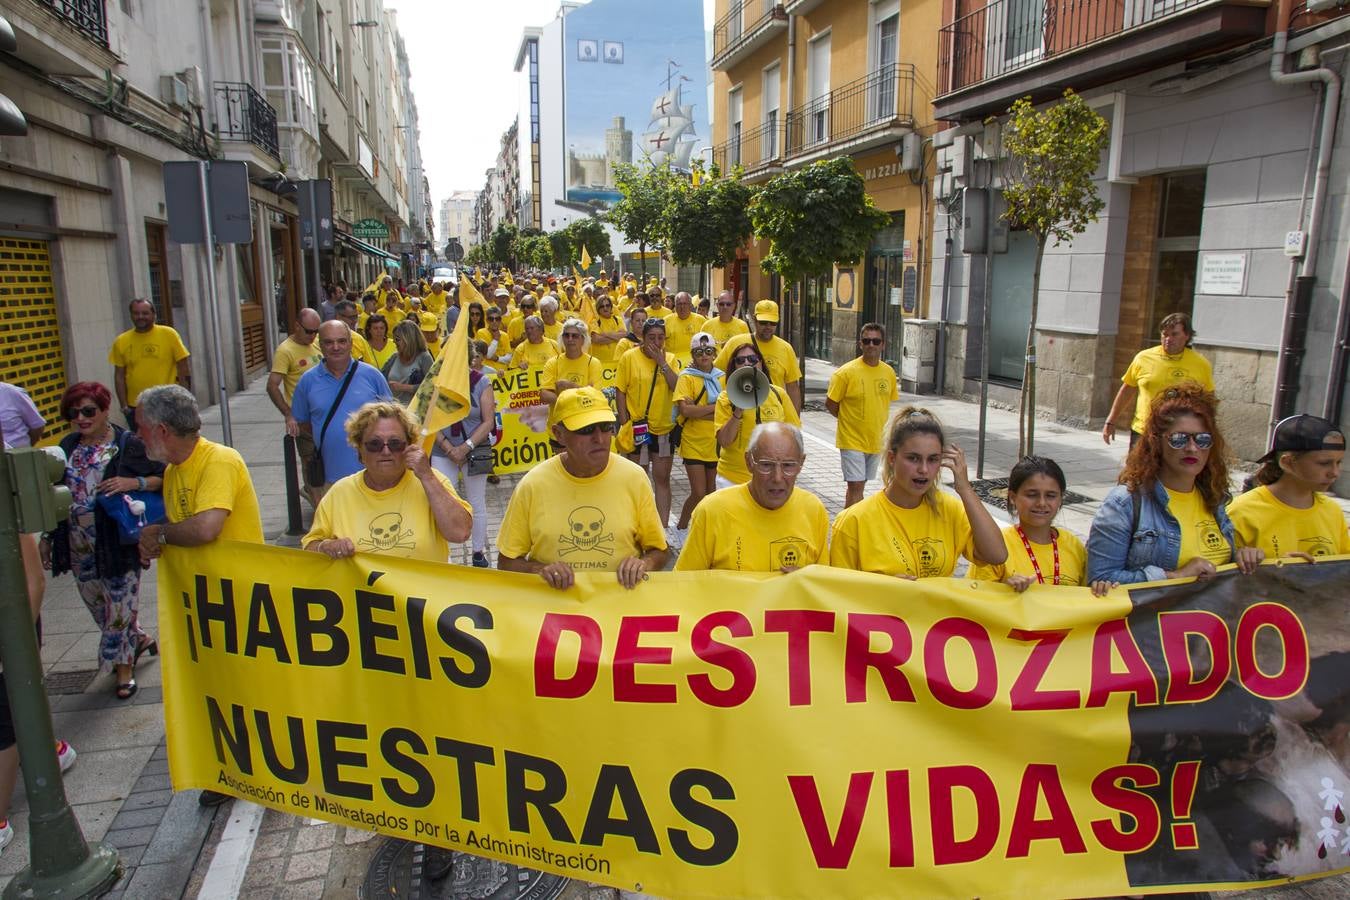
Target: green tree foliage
{"points": [[533, 249], [708, 222], [814, 218], [640, 213], [1052, 156], [560, 245], [476, 256], [501, 244], [588, 233]]}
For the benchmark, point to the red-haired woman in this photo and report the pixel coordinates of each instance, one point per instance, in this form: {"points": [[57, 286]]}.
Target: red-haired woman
{"points": [[103, 458], [1166, 518]]}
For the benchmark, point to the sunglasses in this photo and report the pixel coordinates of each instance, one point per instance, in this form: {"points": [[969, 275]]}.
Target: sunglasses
{"points": [[871, 342], [81, 412], [1178, 440], [745, 360], [705, 351], [395, 445], [588, 430]]}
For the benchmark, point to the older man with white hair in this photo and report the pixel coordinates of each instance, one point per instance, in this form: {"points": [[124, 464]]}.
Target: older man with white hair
{"points": [[766, 525], [548, 312]]}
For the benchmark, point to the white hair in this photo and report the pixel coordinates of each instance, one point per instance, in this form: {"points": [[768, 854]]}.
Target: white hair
{"points": [[576, 323], [769, 429], [549, 302]]}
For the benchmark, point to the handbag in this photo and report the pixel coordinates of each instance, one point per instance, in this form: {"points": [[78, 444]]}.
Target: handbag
{"points": [[314, 470], [638, 431], [122, 509], [480, 460]]}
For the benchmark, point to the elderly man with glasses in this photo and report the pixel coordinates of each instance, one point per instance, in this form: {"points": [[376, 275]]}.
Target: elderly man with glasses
{"points": [[725, 326], [766, 525]]}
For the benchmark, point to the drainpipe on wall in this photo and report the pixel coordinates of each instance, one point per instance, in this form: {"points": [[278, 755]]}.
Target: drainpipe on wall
{"points": [[1299, 300]]}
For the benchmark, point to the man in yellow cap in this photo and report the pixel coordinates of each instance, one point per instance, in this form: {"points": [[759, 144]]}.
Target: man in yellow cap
{"points": [[430, 324], [437, 299], [584, 510], [777, 353]]}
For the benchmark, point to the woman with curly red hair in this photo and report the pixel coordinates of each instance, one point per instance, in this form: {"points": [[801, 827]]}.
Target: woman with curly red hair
{"points": [[1166, 518]]}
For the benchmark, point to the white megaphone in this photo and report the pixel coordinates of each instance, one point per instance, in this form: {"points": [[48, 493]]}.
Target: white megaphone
{"points": [[747, 387]]}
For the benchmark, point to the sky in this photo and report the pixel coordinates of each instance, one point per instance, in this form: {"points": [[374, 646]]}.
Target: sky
{"points": [[463, 55]]}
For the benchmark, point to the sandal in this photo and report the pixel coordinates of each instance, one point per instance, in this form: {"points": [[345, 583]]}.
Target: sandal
{"points": [[126, 691], [149, 645]]}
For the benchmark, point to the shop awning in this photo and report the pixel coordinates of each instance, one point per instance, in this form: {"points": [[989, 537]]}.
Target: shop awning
{"points": [[363, 247]]}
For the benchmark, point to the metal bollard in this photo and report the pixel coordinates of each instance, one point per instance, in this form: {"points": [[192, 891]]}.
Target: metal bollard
{"points": [[293, 525]]}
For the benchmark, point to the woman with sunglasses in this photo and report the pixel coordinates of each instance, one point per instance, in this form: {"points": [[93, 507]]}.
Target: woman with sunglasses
{"points": [[607, 330], [377, 336], [498, 349], [696, 393], [1166, 519], [477, 320], [397, 504], [405, 370], [911, 529], [103, 458], [733, 424]]}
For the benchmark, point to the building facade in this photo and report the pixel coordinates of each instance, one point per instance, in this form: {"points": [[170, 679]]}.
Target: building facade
{"points": [[1223, 169], [803, 81], [456, 220]]}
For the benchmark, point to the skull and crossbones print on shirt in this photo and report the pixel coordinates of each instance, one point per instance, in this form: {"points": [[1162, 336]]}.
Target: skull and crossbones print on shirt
{"points": [[585, 525], [387, 533]]}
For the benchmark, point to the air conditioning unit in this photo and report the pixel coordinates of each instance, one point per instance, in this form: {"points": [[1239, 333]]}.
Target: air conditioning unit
{"points": [[173, 91]]}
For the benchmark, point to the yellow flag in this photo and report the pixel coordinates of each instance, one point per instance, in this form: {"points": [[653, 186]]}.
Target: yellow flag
{"points": [[442, 399], [585, 258]]}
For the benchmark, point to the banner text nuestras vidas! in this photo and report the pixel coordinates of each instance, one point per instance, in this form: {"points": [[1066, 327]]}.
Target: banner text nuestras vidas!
{"points": [[330, 629]]}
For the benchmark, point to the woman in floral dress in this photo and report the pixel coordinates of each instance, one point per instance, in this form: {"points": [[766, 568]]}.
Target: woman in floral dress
{"points": [[103, 458]]}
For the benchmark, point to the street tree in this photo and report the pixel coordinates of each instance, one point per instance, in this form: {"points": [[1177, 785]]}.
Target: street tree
{"points": [[1052, 155], [560, 245], [707, 222], [591, 234], [815, 218], [501, 244], [640, 212]]}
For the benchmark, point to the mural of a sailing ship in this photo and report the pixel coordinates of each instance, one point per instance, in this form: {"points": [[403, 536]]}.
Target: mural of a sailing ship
{"points": [[636, 77]]}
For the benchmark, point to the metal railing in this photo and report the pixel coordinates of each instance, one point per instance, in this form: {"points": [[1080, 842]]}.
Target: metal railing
{"points": [[242, 114], [89, 17], [1006, 35], [731, 29], [882, 99], [755, 149]]}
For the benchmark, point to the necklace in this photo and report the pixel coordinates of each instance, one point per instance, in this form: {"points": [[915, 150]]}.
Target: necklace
{"points": [[1035, 564]]}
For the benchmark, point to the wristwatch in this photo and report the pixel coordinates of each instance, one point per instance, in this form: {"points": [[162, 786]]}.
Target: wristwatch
{"points": [[468, 442], [163, 537]]}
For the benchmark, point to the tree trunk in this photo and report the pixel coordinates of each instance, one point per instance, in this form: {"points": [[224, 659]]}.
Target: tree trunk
{"points": [[1027, 433], [642, 263]]}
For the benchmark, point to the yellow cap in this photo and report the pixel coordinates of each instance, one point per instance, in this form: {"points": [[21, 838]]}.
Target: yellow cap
{"points": [[428, 321], [578, 407], [766, 311]]}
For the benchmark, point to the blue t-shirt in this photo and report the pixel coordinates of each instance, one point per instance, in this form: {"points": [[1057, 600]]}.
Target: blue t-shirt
{"points": [[314, 395]]}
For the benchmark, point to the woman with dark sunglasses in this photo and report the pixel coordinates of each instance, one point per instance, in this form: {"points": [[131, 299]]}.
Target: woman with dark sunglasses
{"points": [[397, 504], [103, 458], [1167, 518]]}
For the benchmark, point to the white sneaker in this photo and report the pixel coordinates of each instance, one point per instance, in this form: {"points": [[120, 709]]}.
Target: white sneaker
{"points": [[65, 755], [6, 834]]}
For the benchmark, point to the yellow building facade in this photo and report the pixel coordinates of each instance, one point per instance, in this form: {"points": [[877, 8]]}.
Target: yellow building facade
{"points": [[798, 82]]}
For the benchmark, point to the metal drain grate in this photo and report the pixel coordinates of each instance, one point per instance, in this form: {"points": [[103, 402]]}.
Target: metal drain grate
{"points": [[994, 491], [74, 682]]}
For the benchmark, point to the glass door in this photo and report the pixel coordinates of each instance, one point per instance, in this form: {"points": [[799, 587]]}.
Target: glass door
{"points": [[1010, 314], [819, 316]]}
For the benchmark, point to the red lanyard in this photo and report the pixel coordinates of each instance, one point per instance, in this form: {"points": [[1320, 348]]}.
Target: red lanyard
{"points": [[1054, 547]]}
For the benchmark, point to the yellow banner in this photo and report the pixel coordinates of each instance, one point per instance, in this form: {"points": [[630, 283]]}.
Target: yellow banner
{"points": [[822, 734], [522, 421]]}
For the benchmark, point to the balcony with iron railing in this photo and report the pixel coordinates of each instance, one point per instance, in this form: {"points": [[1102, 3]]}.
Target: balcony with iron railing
{"points": [[735, 38], [1038, 46], [89, 17], [861, 114], [242, 114], [758, 151]]}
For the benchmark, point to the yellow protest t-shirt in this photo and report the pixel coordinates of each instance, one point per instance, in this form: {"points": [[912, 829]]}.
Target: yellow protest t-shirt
{"points": [[875, 535], [214, 477], [590, 523], [554, 332], [680, 333], [864, 394], [436, 302], [725, 331], [392, 316], [361, 348], [635, 379], [494, 353], [394, 522], [537, 354], [149, 358], [584, 370], [383, 354], [1153, 371], [729, 530], [778, 356], [606, 352], [1072, 560], [1200, 534], [699, 440], [515, 330], [1260, 519], [292, 360], [777, 407]]}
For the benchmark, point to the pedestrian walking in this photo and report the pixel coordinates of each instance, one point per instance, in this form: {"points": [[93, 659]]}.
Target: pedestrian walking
{"points": [[860, 395], [145, 355]]}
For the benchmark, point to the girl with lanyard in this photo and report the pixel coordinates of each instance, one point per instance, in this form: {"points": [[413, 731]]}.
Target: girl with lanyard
{"points": [[1038, 552]]}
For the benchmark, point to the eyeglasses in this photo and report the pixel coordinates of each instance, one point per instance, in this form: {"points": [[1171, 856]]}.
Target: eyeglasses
{"points": [[788, 467], [395, 445], [1178, 440], [82, 412], [872, 342], [309, 330], [705, 351], [588, 430]]}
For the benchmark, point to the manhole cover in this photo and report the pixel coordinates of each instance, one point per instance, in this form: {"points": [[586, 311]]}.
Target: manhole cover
{"points": [[405, 870], [994, 491], [74, 682]]}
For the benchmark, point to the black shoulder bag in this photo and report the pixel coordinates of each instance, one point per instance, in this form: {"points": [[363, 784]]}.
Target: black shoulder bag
{"points": [[314, 473]]}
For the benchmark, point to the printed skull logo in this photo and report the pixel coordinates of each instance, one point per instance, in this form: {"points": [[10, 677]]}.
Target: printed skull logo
{"points": [[585, 524], [386, 533]]}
